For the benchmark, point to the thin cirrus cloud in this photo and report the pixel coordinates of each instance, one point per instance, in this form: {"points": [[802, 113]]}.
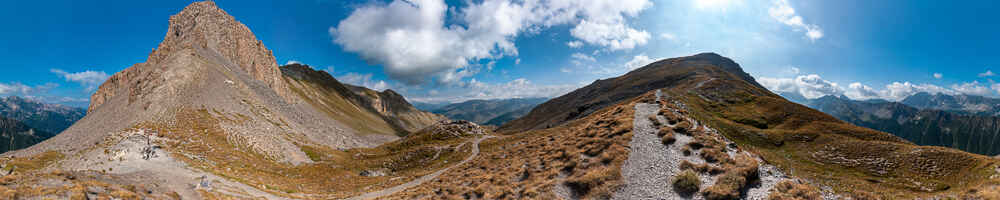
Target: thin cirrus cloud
{"points": [[20, 89], [413, 42], [782, 11], [988, 73]]}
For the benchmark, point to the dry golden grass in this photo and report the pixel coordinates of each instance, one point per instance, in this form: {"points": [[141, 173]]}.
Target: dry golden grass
{"points": [[815, 146], [583, 156], [333, 174], [686, 182], [29, 164], [668, 139], [737, 176], [69, 185], [790, 190]]}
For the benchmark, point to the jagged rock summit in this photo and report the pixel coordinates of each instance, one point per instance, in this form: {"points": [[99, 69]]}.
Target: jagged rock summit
{"points": [[211, 65], [201, 26]]}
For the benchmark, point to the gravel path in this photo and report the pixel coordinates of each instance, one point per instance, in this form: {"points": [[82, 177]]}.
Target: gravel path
{"points": [[651, 165], [422, 179]]}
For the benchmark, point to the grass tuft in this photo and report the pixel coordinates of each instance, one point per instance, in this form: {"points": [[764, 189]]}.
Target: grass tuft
{"points": [[686, 182]]}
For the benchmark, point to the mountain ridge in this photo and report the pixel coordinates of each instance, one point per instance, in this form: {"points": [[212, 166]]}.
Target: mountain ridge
{"points": [[969, 132], [488, 112]]}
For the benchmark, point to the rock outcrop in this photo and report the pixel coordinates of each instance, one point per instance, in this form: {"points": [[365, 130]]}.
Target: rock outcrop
{"points": [[200, 25]]}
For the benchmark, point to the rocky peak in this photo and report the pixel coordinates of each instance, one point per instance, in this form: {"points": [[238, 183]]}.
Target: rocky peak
{"points": [[201, 27]]}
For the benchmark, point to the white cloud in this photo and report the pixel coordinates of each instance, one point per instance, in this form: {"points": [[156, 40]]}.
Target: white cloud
{"points": [[782, 11], [810, 86], [364, 80], [938, 75], [89, 79], [584, 57], [574, 44], [517, 62], [898, 91], [860, 91], [995, 87], [19, 89], [988, 73], [792, 71], [615, 35], [973, 88], [412, 40], [565, 70], [638, 61], [293, 62], [14, 88], [668, 36], [715, 4]]}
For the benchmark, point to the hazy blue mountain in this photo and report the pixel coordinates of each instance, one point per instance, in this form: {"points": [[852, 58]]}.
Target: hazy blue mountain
{"points": [[969, 132], [491, 112], [428, 106], [962, 104], [52, 118]]}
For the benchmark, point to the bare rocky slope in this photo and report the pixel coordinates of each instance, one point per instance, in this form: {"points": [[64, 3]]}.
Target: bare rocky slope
{"points": [[208, 115], [360, 107]]}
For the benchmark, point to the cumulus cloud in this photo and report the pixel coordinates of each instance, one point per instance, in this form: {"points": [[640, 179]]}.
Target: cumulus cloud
{"points": [[638, 61], [293, 62], [938, 75], [614, 35], [813, 86], [861, 92], [898, 91], [412, 40], [89, 79], [782, 11], [364, 80], [973, 88], [988, 73], [810, 86]]}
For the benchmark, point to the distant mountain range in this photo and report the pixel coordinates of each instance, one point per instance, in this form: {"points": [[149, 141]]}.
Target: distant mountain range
{"points": [[961, 104], [489, 112], [25, 122], [962, 122], [211, 115], [53, 118]]}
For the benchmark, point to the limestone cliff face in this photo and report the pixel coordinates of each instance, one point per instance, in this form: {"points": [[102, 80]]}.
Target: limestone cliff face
{"points": [[200, 25]]}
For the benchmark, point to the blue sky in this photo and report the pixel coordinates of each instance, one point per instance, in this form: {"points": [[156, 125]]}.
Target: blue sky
{"points": [[454, 50]]}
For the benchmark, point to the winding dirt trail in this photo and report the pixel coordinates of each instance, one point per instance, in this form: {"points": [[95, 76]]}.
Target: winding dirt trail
{"points": [[422, 179]]}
